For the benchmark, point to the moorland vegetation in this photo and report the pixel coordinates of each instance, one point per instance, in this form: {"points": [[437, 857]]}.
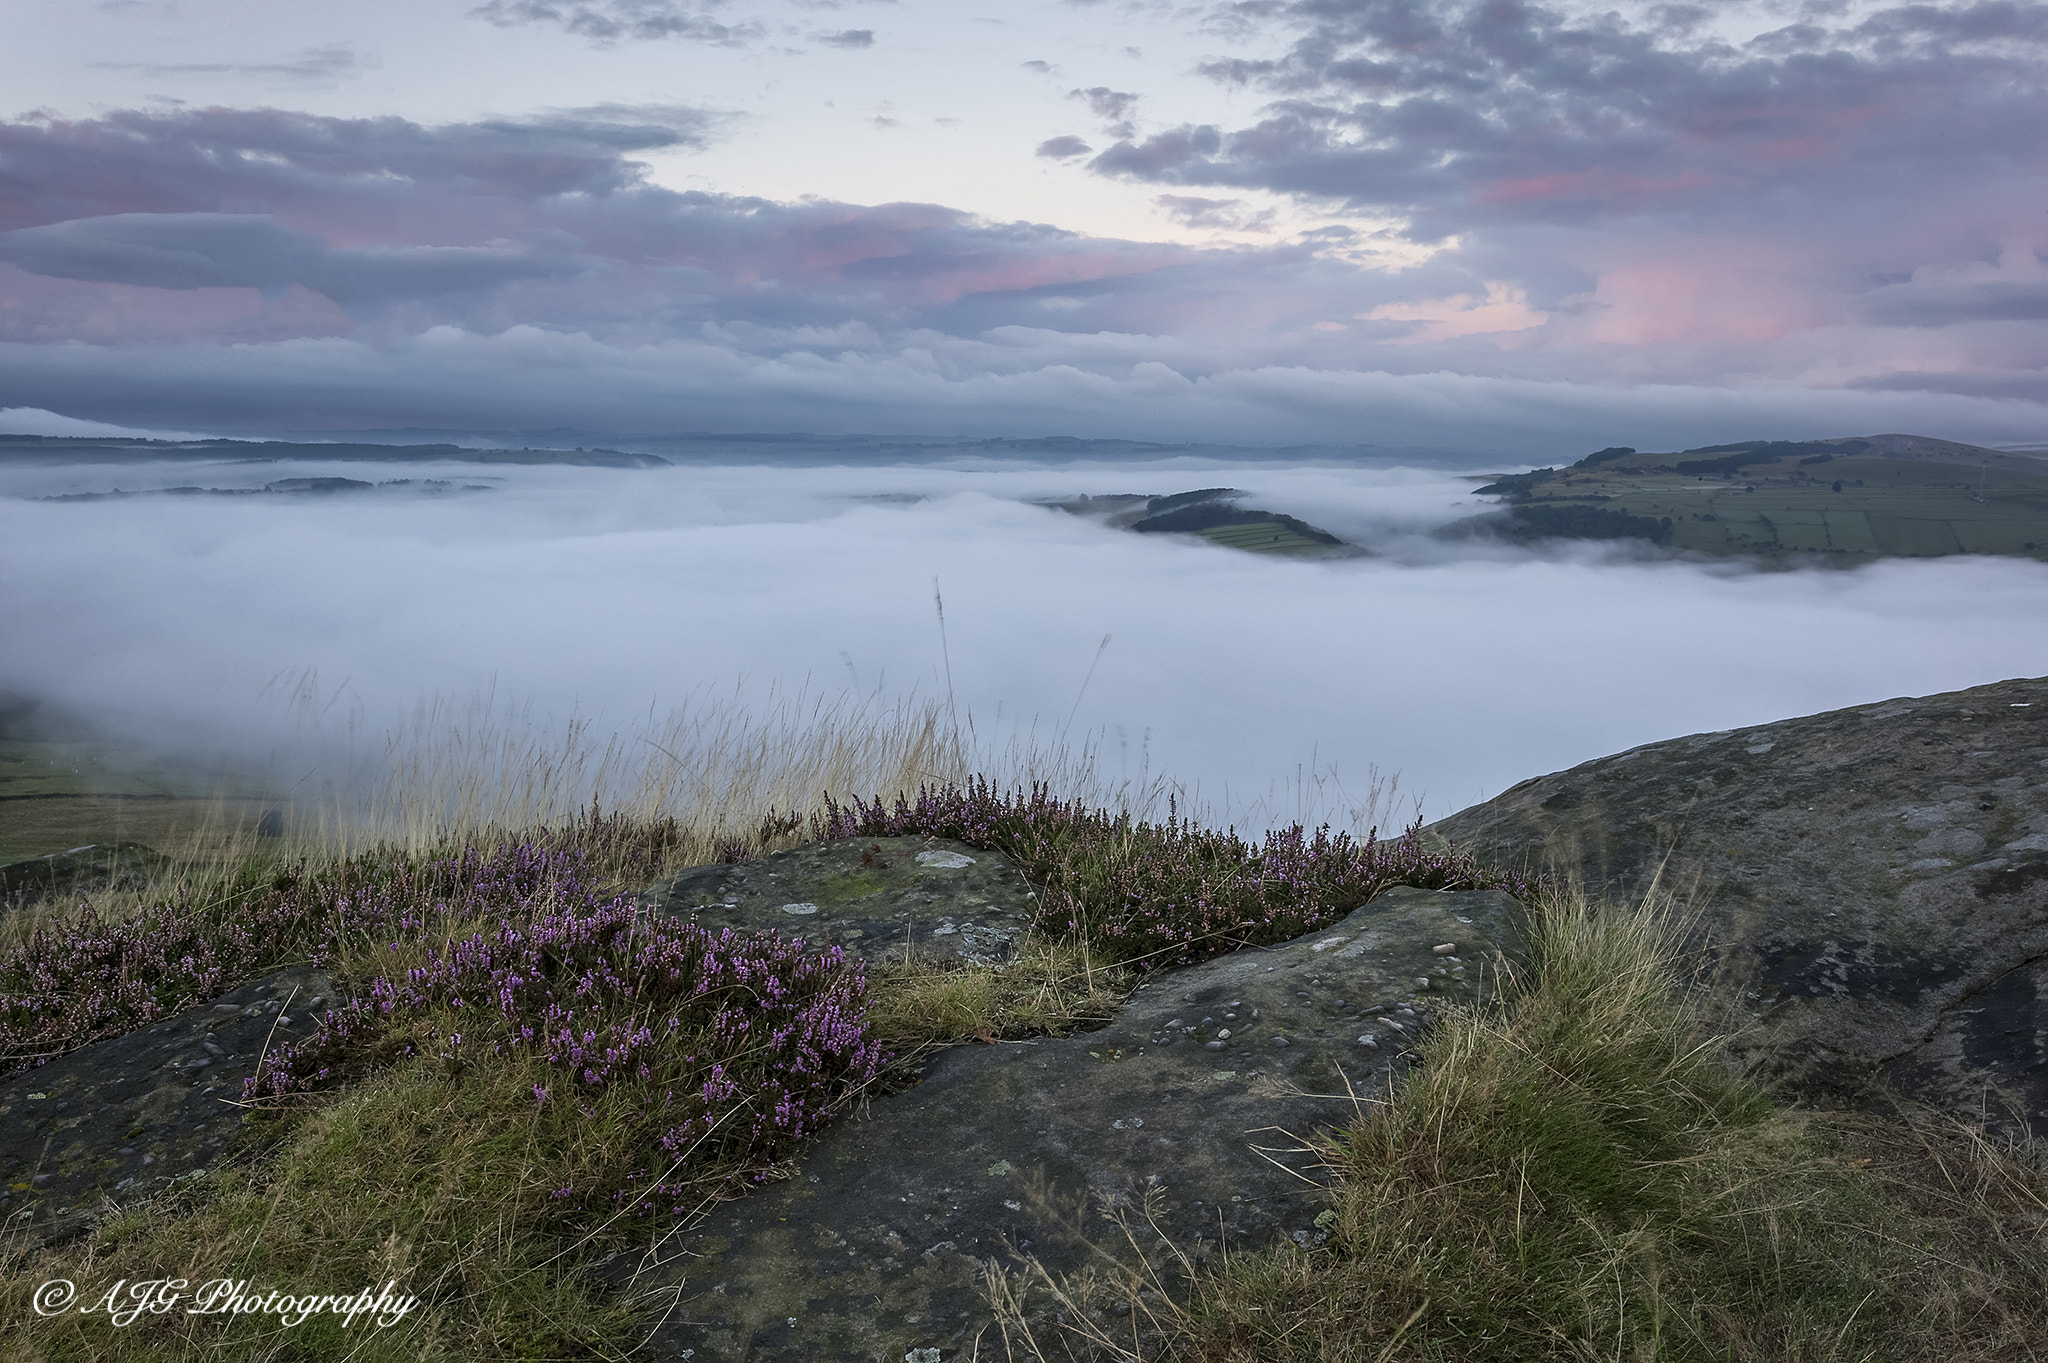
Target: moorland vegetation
{"points": [[533, 1074]]}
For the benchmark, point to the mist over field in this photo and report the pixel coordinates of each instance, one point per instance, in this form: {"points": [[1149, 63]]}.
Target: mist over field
{"points": [[1269, 689]]}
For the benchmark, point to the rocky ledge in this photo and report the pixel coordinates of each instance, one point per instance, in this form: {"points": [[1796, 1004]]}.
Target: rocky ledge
{"points": [[1871, 885], [115, 1123], [1188, 1111]]}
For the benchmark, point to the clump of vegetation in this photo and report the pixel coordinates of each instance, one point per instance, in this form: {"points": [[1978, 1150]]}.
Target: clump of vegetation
{"points": [[529, 1066], [527, 1062], [1574, 1174], [735, 1045], [1169, 893], [82, 977]]}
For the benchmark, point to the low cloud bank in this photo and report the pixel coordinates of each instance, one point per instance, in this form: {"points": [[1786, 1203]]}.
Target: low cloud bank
{"points": [[1270, 687], [1027, 384]]}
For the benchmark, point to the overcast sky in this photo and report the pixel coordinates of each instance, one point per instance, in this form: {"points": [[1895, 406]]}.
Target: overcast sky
{"points": [[1479, 224]]}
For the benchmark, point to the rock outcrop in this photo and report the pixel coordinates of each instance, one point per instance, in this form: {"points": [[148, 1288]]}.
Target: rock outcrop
{"points": [[879, 898], [1872, 884], [1186, 1110], [117, 1122], [96, 866]]}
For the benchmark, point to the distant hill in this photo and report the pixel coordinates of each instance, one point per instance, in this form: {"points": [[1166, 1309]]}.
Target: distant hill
{"points": [[1845, 499], [1213, 514], [102, 449]]}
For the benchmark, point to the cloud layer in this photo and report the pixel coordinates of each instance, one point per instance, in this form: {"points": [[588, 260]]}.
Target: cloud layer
{"points": [[604, 592], [1557, 229], [1851, 198]]}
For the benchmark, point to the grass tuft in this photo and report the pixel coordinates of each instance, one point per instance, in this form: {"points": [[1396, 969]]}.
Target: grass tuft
{"points": [[1573, 1175]]}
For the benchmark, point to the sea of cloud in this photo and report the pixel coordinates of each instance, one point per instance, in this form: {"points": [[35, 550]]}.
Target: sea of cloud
{"points": [[1268, 688]]}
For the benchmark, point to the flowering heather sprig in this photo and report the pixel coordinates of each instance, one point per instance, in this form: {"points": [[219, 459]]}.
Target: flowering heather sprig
{"points": [[77, 981], [1171, 893], [736, 1044]]}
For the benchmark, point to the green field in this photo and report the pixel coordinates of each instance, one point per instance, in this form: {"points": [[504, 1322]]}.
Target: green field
{"points": [[1799, 501], [56, 795], [1266, 537]]}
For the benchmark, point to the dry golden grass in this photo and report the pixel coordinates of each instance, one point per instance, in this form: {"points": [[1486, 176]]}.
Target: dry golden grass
{"points": [[1051, 986]]}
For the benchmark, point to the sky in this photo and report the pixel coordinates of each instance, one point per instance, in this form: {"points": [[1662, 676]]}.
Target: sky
{"points": [[1267, 689], [1503, 228]]}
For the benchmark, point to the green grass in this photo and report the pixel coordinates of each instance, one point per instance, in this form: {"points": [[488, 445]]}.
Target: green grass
{"points": [[445, 1188], [1576, 1175]]}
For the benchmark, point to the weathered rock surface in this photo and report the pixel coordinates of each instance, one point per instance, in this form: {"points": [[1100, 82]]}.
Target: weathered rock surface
{"points": [[1195, 1093], [96, 866], [880, 898], [117, 1122], [1873, 884]]}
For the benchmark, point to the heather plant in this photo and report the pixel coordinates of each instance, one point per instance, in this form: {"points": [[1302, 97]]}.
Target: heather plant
{"points": [[526, 1064], [1169, 893], [731, 1046], [78, 979]]}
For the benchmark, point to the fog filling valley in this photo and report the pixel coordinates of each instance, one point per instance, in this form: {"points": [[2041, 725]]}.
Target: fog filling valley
{"points": [[1267, 688]]}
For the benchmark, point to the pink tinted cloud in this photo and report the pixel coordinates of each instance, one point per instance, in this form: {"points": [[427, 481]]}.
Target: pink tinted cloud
{"points": [[1618, 188], [38, 309], [1689, 292]]}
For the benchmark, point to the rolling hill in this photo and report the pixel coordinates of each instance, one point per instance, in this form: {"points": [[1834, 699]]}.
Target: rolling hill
{"points": [[1847, 499]]}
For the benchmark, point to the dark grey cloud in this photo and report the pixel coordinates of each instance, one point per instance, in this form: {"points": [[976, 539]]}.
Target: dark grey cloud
{"points": [[1059, 148], [849, 38], [226, 250], [313, 64], [267, 160], [1948, 302], [548, 222], [1116, 108], [1465, 113], [265, 269], [609, 21]]}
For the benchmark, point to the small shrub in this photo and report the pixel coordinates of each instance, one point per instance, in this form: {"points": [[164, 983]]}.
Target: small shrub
{"points": [[1166, 894], [732, 1046], [79, 980]]}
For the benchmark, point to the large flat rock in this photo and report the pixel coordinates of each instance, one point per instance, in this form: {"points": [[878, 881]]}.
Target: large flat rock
{"points": [[879, 898], [114, 1123], [1196, 1094], [1873, 884]]}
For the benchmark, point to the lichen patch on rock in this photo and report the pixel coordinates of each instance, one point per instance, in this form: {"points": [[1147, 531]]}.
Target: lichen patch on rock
{"points": [[880, 898]]}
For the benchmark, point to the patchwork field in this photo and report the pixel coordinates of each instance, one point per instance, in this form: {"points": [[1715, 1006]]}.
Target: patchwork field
{"points": [[57, 795], [1849, 499]]}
